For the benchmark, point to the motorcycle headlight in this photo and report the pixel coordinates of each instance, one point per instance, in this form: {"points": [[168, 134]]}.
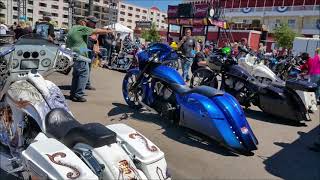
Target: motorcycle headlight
{"points": [[15, 63]]}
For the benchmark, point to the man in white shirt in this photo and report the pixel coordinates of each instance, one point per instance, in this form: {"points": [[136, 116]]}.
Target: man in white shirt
{"points": [[3, 28]]}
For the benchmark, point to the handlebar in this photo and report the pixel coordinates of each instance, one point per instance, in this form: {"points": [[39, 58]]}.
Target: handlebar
{"points": [[7, 51]]}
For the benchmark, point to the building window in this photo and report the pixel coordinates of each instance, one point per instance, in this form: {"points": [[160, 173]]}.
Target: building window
{"points": [[54, 7], [122, 19], [123, 6], [143, 17], [164, 16], [162, 27], [292, 23], [129, 27], [43, 4], [151, 13], [129, 14], [123, 13], [129, 20], [162, 21], [30, 10], [65, 8], [137, 16], [30, 2], [65, 16], [144, 11], [158, 15], [138, 10], [97, 1], [130, 8], [55, 15], [15, 8], [151, 19]]}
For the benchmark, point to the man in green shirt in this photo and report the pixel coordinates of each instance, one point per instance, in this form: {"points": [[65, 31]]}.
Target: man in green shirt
{"points": [[77, 41]]}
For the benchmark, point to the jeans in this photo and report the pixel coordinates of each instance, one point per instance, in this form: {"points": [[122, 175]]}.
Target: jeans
{"points": [[79, 78], [186, 64], [104, 54], [316, 79]]}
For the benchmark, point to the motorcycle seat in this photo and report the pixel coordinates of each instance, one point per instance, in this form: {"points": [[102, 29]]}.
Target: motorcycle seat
{"points": [[301, 85], [203, 90], [61, 125]]}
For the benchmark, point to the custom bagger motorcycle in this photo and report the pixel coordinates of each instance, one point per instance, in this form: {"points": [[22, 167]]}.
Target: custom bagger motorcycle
{"points": [[40, 138], [214, 113], [281, 101]]}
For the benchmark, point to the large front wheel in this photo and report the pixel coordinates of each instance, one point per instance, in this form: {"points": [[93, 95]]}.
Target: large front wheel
{"points": [[204, 76], [131, 96]]}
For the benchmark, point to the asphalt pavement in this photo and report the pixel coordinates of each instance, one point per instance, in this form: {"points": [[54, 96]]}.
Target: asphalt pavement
{"points": [[282, 151]]}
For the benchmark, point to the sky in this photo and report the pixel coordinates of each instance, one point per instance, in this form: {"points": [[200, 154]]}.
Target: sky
{"points": [[161, 4]]}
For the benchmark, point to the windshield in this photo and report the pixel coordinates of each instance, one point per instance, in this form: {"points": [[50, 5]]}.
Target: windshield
{"points": [[33, 39]]}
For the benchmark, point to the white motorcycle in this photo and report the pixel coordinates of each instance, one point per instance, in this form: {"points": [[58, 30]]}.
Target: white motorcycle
{"points": [[40, 138], [265, 75]]}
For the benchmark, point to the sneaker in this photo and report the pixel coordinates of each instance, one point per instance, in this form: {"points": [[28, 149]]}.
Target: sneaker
{"points": [[90, 88], [78, 99]]}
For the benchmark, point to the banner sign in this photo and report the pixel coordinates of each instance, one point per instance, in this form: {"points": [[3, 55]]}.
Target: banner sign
{"points": [[200, 10], [185, 21], [218, 23], [199, 22], [143, 24], [173, 21], [172, 11], [197, 31]]}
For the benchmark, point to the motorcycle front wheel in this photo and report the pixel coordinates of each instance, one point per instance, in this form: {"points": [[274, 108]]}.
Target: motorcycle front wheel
{"points": [[131, 98], [203, 77]]}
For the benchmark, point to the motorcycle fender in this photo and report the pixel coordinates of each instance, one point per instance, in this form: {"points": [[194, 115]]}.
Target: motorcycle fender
{"points": [[151, 159], [264, 71], [47, 157], [309, 99], [167, 74]]}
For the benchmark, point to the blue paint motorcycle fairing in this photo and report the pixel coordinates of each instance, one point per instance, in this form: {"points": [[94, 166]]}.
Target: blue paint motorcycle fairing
{"points": [[218, 116]]}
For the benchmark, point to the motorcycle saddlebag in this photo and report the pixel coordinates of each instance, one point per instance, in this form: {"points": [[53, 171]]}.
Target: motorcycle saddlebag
{"points": [[151, 158], [301, 85]]}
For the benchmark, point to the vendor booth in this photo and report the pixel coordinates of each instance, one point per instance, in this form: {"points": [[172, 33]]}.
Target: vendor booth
{"points": [[123, 30]]}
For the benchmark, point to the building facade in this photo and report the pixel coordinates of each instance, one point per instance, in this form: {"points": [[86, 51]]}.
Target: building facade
{"points": [[35, 10], [301, 15], [104, 10], [129, 14]]}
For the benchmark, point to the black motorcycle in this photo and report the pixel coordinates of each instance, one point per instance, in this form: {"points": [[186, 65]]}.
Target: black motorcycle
{"points": [[279, 101]]}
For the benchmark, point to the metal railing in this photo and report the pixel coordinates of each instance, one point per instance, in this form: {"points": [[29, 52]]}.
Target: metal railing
{"points": [[290, 8]]}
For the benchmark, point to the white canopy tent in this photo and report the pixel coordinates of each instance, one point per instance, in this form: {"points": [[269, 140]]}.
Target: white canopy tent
{"points": [[119, 28]]}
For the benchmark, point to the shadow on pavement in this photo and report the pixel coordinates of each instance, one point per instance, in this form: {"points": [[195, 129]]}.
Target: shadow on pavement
{"points": [[180, 134], [261, 116], [296, 161]]}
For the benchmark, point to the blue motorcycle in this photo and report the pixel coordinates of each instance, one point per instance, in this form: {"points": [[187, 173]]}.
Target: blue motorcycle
{"points": [[214, 113]]}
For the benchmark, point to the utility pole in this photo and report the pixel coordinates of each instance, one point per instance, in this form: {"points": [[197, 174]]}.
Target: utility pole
{"points": [[70, 13], [22, 9], [90, 7]]}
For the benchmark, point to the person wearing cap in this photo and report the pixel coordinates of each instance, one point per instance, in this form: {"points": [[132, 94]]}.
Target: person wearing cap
{"points": [[45, 29], [93, 46], [77, 41]]}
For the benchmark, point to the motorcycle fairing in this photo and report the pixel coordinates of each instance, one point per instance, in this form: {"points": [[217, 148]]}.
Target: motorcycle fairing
{"points": [[238, 71], [36, 97], [219, 118], [48, 157], [167, 74]]}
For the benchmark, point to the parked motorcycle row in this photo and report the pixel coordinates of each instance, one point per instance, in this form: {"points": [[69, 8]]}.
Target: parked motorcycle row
{"points": [[40, 137]]}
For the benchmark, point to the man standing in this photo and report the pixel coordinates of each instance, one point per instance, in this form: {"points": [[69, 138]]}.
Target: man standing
{"points": [[77, 41], [93, 46], [106, 42], [187, 45], [45, 29]]}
